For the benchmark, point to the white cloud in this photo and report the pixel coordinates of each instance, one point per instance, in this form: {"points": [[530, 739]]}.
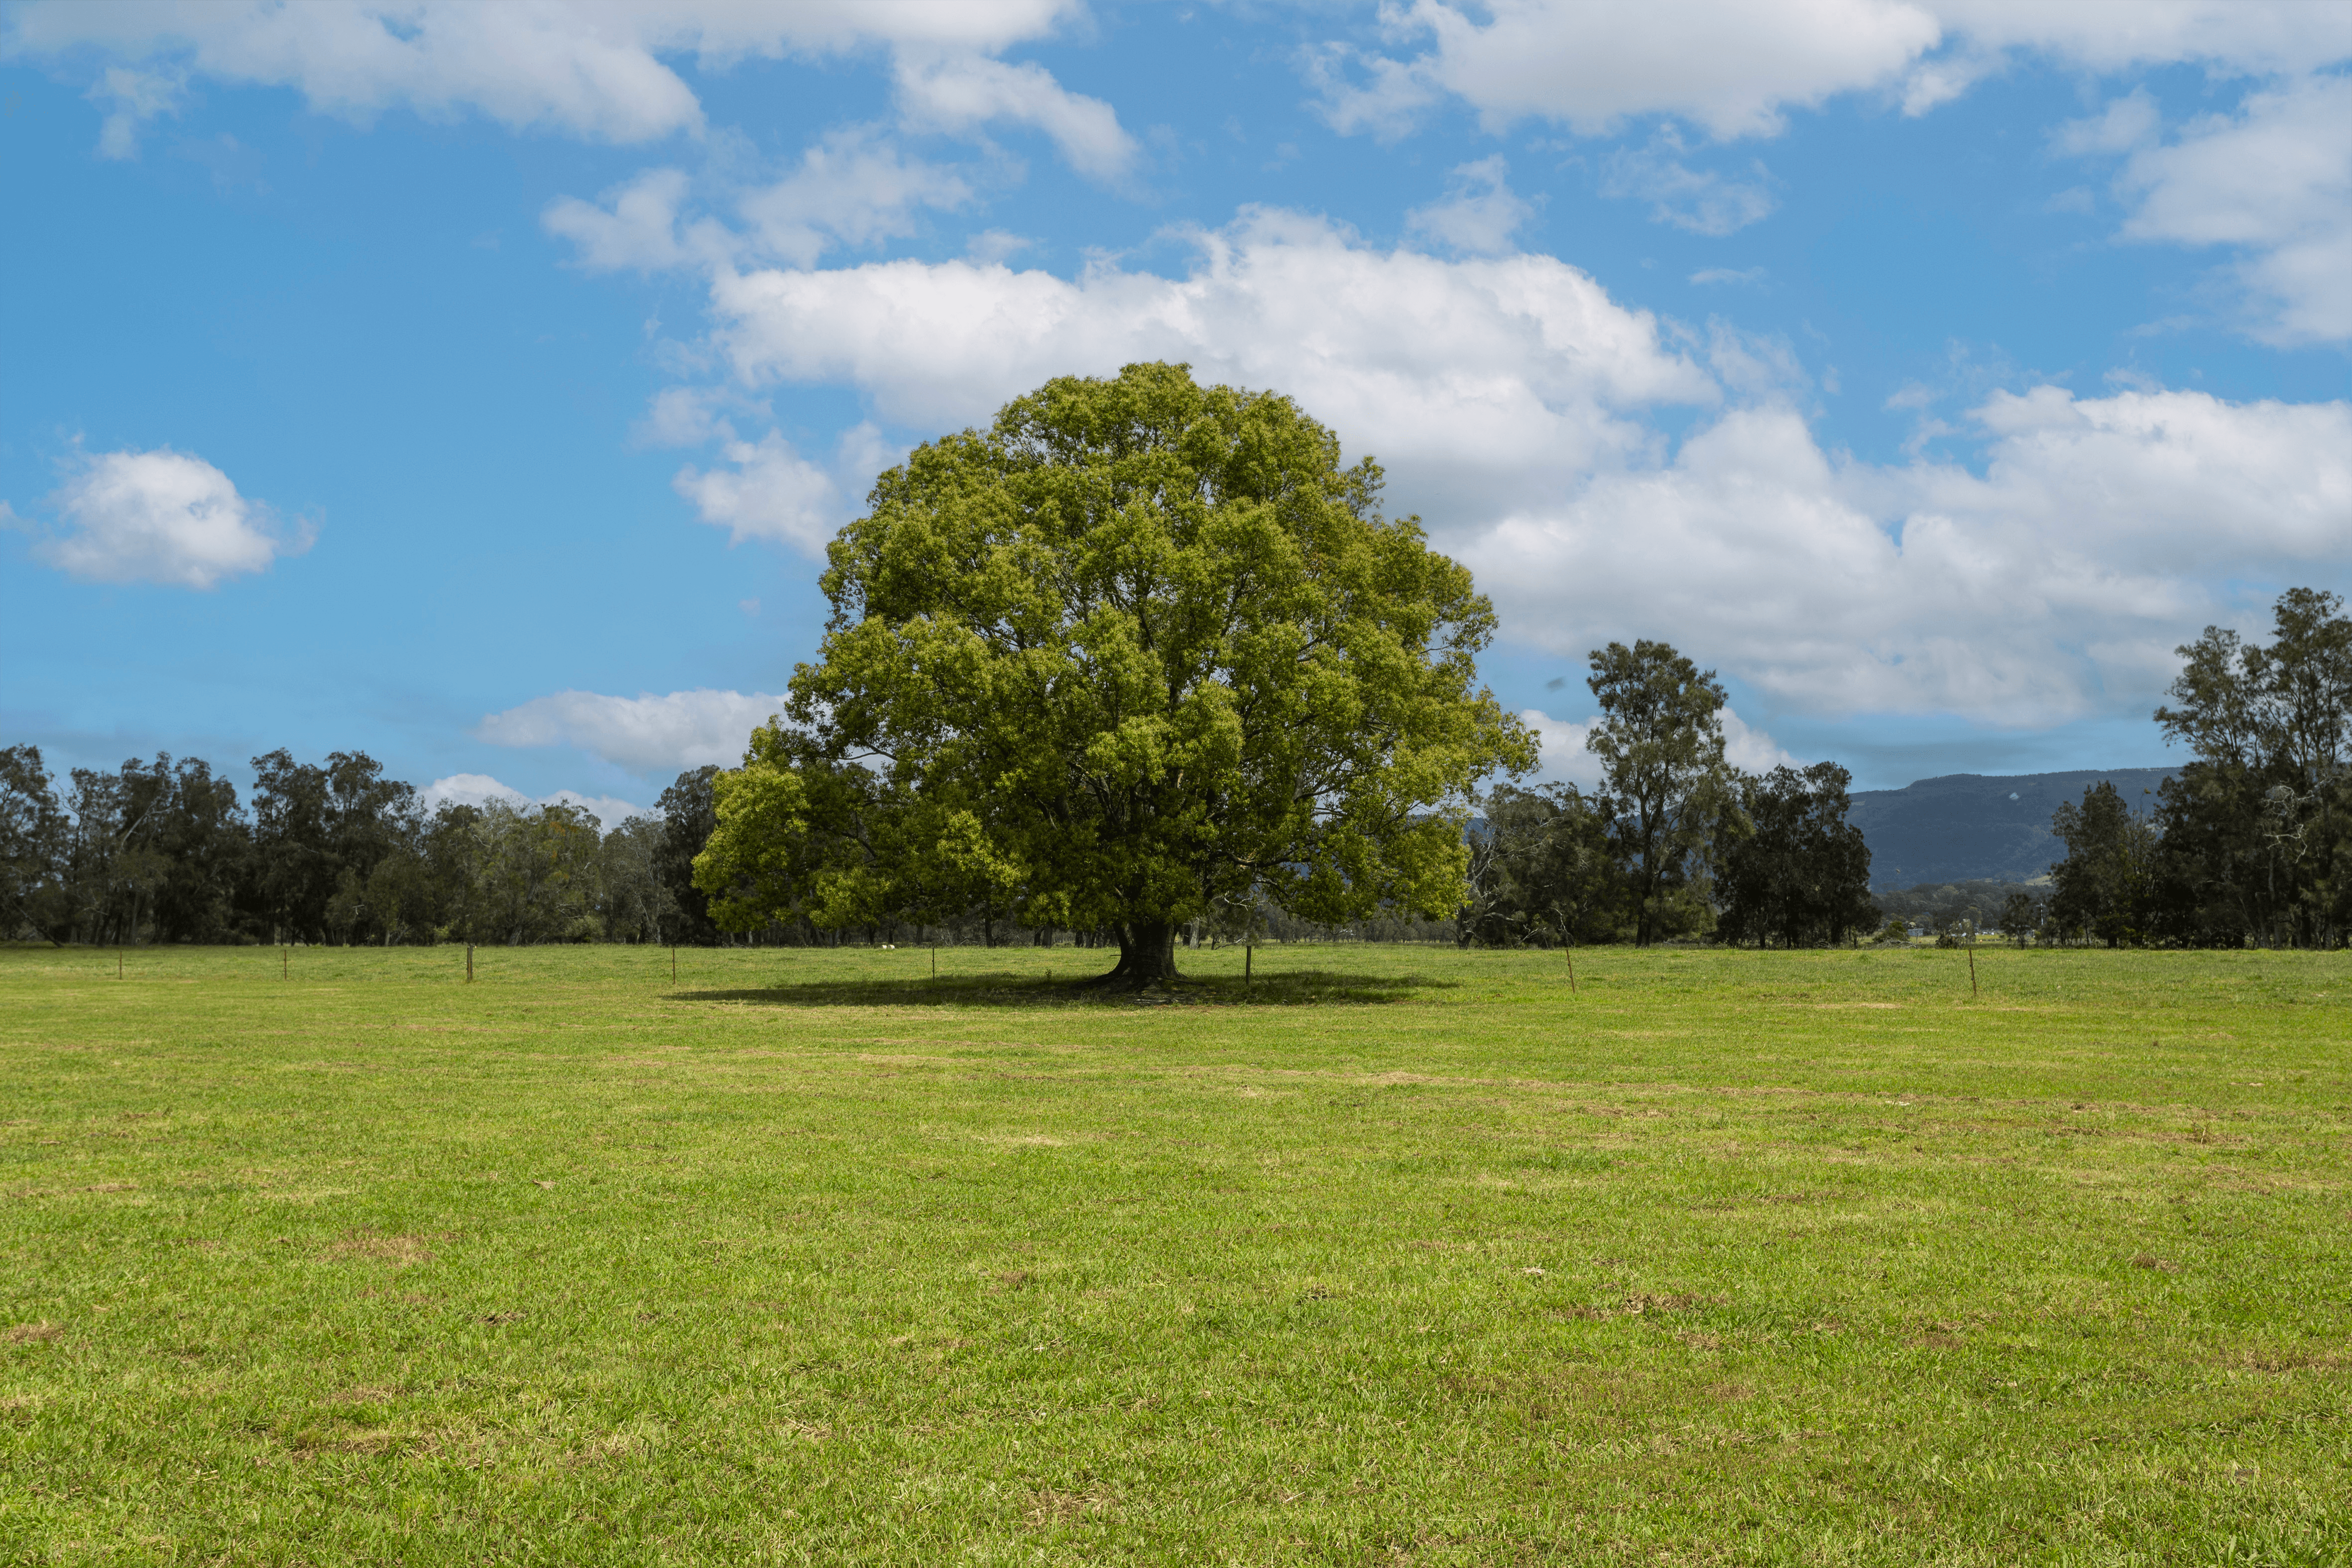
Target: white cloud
{"points": [[1560, 749], [480, 789], [1727, 66], [1745, 746], [132, 98], [647, 734], [1453, 370], [1512, 401], [2121, 126], [1563, 753], [686, 416], [637, 226], [1478, 214], [1704, 201], [772, 492], [1729, 274], [1734, 69], [590, 68], [852, 188], [161, 517], [964, 92], [2060, 577], [2273, 180]]}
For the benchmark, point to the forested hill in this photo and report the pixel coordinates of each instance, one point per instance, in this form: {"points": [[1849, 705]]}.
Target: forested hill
{"points": [[1967, 826]]}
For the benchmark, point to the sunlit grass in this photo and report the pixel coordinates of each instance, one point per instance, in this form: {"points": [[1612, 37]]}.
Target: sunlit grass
{"points": [[1397, 1255]]}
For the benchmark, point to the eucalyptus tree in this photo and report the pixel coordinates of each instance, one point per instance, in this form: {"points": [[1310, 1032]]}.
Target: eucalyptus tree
{"points": [[1800, 871], [1141, 652], [2261, 823], [1660, 742]]}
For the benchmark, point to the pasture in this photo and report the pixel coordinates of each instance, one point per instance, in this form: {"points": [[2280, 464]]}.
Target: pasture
{"points": [[1410, 1256]]}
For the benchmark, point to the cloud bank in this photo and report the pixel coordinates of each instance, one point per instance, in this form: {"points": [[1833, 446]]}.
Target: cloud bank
{"points": [[1735, 69], [1516, 404]]}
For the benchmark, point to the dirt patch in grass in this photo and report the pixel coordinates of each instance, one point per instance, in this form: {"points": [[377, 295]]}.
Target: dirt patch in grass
{"points": [[1049, 1507], [34, 1333], [401, 1251]]}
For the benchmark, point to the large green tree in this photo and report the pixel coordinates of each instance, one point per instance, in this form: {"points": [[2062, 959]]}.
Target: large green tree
{"points": [[1143, 651]]}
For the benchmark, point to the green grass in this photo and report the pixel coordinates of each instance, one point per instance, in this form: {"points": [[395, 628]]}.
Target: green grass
{"points": [[1410, 1256]]}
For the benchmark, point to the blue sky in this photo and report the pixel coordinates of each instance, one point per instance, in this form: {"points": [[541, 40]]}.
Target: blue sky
{"points": [[477, 387]]}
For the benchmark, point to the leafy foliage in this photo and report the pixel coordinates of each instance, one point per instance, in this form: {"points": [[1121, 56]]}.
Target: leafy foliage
{"points": [[1660, 743], [1800, 875], [1140, 653]]}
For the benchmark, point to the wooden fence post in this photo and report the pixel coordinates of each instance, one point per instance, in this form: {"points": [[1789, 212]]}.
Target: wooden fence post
{"points": [[469, 963]]}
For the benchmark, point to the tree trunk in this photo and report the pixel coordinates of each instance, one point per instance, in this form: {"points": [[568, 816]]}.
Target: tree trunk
{"points": [[1147, 954]]}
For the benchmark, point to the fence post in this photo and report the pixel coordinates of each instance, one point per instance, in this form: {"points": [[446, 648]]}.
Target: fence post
{"points": [[1571, 969], [1249, 956], [1972, 970], [469, 963], [673, 963]]}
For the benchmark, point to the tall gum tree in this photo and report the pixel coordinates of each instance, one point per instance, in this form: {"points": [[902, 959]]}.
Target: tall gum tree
{"points": [[1143, 651]]}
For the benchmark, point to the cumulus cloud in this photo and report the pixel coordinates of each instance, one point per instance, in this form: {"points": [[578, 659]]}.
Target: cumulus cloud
{"points": [[592, 70], [634, 227], [964, 92], [481, 789], [647, 734], [1734, 70], [1563, 753], [2060, 575], [1478, 213], [1470, 374], [160, 516], [1560, 749], [767, 491], [1513, 402], [2273, 181], [854, 187], [1727, 66]]}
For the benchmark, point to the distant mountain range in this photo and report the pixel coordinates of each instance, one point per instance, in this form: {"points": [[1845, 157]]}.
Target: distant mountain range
{"points": [[1969, 826]]}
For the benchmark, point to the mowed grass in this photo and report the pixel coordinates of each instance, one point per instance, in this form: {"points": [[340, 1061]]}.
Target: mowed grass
{"points": [[1410, 1257]]}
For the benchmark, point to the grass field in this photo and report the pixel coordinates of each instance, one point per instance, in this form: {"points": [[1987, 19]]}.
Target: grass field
{"points": [[1726, 1257]]}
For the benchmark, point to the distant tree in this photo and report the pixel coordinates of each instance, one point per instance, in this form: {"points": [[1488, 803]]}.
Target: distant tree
{"points": [[33, 842], [689, 815], [2258, 829], [633, 904], [1801, 871], [1141, 652], [312, 825], [2105, 883], [2021, 915], [1660, 742], [1543, 870]]}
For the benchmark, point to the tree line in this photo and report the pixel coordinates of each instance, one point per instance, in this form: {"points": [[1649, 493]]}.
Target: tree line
{"points": [[1676, 843], [332, 852], [2252, 841]]}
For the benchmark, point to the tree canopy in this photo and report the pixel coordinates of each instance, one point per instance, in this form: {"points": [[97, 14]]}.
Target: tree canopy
{"points": [[1142, 652], [1659, 740]]}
